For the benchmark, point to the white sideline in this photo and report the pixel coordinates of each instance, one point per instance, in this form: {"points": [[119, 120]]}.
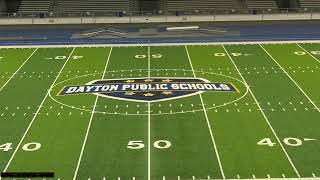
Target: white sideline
{"points": [[90, 121], [307, 178], [293, 41], [312, 102], [18, 69], [35, 115], [208, 123], [265, 117]]}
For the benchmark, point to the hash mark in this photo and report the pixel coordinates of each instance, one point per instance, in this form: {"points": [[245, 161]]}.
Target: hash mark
{"points": [[268, 175]]}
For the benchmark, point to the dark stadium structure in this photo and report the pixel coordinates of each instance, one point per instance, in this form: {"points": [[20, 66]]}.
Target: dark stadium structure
{"points": [[149, 6]]}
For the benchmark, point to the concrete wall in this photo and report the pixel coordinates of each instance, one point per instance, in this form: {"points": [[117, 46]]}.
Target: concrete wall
{"points": [[98, 20]]}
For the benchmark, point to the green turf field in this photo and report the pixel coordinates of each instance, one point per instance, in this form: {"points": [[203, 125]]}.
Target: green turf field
{"points": [[270, 128]]}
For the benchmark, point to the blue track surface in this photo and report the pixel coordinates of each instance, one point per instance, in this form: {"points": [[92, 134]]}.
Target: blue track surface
{"points": [[257, 32]]}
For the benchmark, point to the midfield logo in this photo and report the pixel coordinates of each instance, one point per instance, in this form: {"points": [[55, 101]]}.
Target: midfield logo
{"points": [[148, 89]]}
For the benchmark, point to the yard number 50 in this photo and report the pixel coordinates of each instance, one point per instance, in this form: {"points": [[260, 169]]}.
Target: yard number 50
{"points": [[160, 144], [142, 56]]}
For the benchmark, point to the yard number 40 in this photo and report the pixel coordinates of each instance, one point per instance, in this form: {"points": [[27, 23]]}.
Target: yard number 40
{"points": [[33, 146], [301, 53], [287, 141]]}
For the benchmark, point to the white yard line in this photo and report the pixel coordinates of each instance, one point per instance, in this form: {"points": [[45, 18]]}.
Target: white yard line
{"points": [[90, 121], [149, 140], [312, 102], [308, 53], [18, 69], [265, 117], [35, 115], [149, 62], [149, 120], [208, 123]]}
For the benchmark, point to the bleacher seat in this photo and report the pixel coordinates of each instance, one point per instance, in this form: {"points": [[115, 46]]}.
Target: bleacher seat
{"points": [[262, 4], [34, 6], [91, 5], [310, 3], [201, 4]]}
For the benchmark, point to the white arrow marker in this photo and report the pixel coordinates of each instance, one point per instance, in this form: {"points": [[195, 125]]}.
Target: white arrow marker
{"points": [[247, 54], [77, 57], [48, 58], [308, 139]]}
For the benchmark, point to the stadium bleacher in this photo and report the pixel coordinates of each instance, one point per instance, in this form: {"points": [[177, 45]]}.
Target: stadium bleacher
{"points": [[262, 4], [84, 6], [147, 5], [201, 4], [310, 3], [91, 5], [27, 6]]}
